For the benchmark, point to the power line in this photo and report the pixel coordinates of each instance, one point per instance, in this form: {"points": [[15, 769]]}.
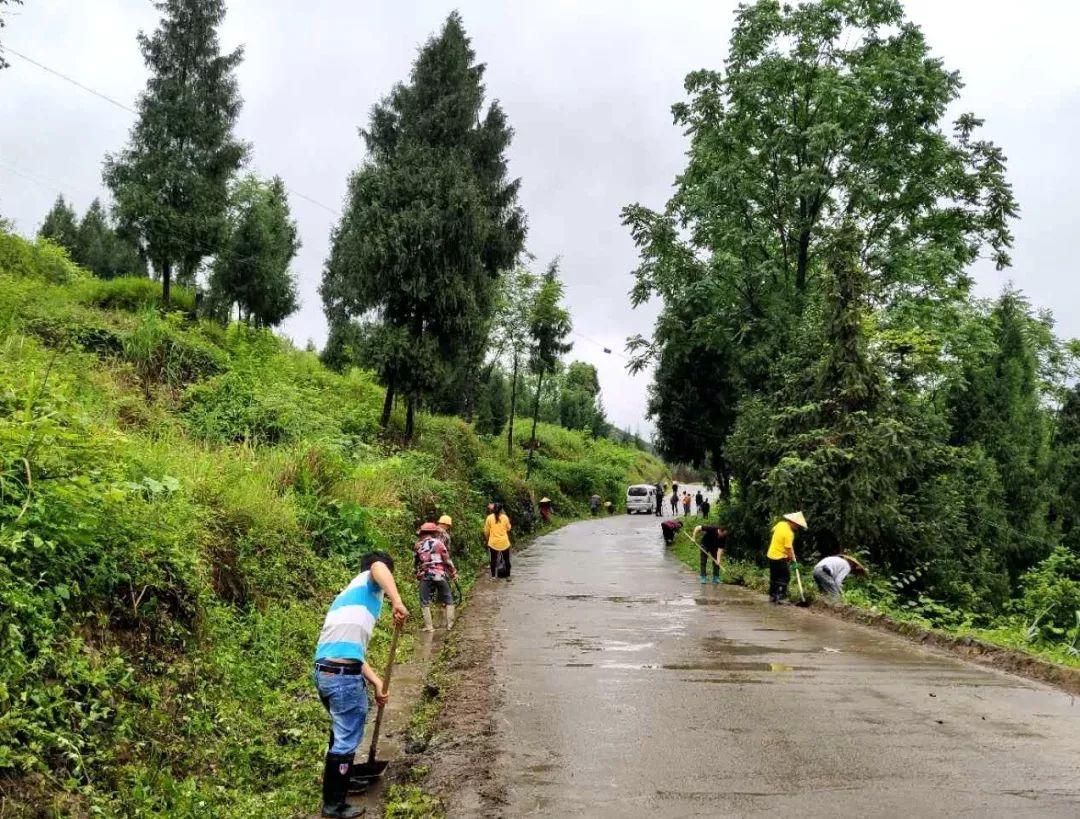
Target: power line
{"points": [[65, 77], [130, 110]]}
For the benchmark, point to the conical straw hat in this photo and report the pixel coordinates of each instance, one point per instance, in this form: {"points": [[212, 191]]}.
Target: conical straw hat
{"points": [[798, 518]]}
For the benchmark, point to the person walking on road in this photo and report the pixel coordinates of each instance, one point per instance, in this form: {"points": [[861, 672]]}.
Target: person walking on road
{"points": [[341, 669], [594, 504], [497, 535], [781, 555], [675, 502], [829, 574], [686, 504], [545, 509], [712, 543], [434, 569], [698, 501], [659, 499], [706, 507]]}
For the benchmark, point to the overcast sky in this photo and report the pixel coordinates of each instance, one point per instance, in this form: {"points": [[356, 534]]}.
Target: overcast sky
{"points": [[588, 88]]}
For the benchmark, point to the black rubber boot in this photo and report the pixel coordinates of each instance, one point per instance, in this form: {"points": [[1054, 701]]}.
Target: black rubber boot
{"points": [[336, 787]]}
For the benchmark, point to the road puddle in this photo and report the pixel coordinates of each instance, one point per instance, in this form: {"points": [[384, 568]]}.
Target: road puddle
{"points": [[718, 665]]}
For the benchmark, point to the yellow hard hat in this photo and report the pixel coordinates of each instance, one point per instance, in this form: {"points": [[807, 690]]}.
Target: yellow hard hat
{"points": [[446, 520]]}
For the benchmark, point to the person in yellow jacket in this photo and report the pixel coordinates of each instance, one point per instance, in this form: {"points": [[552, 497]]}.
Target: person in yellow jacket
{"points": [[781, 555], [497, 534]]}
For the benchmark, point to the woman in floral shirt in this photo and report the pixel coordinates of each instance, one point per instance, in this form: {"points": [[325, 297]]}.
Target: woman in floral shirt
{"points": [[434, 570]]}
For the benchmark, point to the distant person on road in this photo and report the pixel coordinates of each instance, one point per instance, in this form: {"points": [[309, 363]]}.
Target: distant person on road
{"points": [[698, 500], [712, 542], [829, 574], [675, 502], [594, 504], [659, 500], [706, 507], [610, 507], [545, 509], [670, 528], [686, 504], [497, 536], [434, 569], [781, 555], [341, 668]]}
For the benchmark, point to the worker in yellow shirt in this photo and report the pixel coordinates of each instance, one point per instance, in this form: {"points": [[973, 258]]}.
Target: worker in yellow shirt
{"points": [[497, 535], [781, 555]]}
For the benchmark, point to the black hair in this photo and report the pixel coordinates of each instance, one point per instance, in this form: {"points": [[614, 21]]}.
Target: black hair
{"points": [[371, 558], [496, 510]]}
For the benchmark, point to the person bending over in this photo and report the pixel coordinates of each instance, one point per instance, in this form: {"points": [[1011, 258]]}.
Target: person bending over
{"points": [[341, 669]]}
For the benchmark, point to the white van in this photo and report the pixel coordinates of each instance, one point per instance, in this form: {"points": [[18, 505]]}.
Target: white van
{"points": [[641, 498]]}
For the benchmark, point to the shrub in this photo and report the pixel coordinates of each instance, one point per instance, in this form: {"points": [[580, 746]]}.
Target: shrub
{"points": [[162, 352], [133, 294]]}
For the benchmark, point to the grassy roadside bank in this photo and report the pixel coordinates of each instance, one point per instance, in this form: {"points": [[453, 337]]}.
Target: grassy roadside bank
{"points": [[179, 502], [875, 597]]}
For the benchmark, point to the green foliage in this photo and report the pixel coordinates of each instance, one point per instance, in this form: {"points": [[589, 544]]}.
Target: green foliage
{"points": [[177, 510], [60, 226], [436, 161], [818, 341], [493, 409], [252, 269], [171, 181], [134, 295]]}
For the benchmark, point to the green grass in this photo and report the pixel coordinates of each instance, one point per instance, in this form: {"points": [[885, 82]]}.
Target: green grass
{"points": [[179, 503]]}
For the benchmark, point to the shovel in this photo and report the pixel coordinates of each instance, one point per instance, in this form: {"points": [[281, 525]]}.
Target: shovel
{"points": [[363, 774], [702, 550], [803, 602]]}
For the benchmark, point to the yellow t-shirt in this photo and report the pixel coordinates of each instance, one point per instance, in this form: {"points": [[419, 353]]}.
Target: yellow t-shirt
{"points": [[783, 542], [497, 532]]}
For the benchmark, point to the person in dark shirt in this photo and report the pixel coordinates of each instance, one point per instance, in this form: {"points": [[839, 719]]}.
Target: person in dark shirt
{"points": [[706, 507], [670, 528], [712, 542], [659, 500]]}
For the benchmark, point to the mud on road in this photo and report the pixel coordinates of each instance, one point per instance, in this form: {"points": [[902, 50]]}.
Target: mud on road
{"points": [[603, 681]]}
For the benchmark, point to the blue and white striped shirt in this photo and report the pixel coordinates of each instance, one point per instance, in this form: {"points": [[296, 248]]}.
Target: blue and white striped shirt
{"points": [[351, 619]]}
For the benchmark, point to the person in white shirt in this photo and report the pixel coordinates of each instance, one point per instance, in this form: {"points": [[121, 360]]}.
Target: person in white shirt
{"points": [[829, 574]]}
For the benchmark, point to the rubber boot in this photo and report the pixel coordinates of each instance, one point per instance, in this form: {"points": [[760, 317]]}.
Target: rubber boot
{"points": [[451, 613], [704, 580], [426, 612], [715, 580], [336, 787]]}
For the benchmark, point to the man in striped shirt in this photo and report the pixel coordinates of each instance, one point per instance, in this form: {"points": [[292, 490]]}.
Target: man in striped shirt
{"points": [[341, 668]]}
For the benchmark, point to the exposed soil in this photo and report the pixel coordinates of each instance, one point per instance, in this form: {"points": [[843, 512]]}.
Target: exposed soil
{"points": [[461, 755]]}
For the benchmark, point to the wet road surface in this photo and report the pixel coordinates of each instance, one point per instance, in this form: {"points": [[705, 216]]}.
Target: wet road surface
{"points": [[627, 689]]}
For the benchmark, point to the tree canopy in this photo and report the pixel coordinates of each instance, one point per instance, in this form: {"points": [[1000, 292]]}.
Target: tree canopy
{"points": [[171, 181], [431, 222]]}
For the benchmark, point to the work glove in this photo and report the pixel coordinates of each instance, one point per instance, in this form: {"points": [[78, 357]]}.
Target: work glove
{"points": [[794, 564]]}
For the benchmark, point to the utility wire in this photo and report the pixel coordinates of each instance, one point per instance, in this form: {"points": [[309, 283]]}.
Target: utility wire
{"points": [[66, 78], [130, 110]]}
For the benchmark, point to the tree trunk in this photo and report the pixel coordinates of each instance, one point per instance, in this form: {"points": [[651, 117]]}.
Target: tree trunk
{"points": [[388, 404], [536, 416], [513, 407], [166, 281], [410, 411]]}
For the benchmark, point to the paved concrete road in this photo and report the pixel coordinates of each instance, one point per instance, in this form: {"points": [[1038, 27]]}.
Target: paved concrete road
{"points": [[630, 690]]}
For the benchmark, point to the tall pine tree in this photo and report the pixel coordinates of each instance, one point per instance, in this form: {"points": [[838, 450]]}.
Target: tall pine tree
{"points": [[170, 183], [431, 221], [549, 325], [60, 226]]}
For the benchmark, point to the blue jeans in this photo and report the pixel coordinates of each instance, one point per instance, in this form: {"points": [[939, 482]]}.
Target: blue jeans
{"points": [[345, 698]]}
